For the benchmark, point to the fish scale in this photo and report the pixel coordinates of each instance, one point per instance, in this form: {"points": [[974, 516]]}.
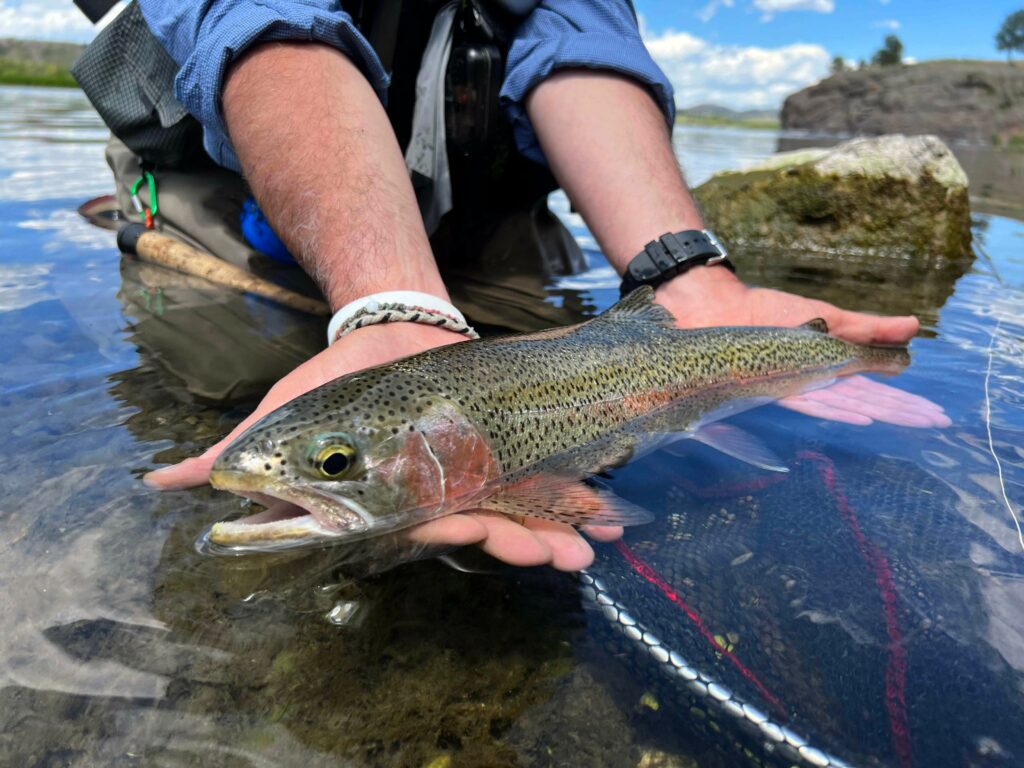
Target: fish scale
{"points": [[539, 394], [512, 423]]}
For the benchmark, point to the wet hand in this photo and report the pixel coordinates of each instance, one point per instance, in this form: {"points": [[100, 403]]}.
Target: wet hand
{"points": [[529, 542], [523, 541], [713, 296]]}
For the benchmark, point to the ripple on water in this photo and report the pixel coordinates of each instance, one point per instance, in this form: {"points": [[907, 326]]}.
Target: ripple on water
{"points": [[121, 643]]}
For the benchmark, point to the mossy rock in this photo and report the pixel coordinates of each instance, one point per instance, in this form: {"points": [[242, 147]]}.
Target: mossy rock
{"points": [[892, 195]]}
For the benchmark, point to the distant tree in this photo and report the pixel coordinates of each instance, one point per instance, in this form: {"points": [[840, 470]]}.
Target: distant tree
{"points": [[1010, 36], [838, 64], [890, 54]]}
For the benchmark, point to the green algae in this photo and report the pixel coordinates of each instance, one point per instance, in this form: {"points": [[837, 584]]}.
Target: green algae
{"points": [[798, 206]]}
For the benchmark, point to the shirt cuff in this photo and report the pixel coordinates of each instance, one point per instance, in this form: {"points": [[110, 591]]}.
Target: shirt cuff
{"points": [[532, 60], [226, 36]]}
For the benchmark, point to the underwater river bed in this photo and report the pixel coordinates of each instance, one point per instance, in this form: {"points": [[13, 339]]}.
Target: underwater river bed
{"points": [[877, 590]]}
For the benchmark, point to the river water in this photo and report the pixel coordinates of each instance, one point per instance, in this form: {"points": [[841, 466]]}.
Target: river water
{"points": [[123, 645]]}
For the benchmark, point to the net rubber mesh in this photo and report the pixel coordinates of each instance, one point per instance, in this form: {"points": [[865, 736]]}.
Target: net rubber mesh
{"points": [[850, 599]]}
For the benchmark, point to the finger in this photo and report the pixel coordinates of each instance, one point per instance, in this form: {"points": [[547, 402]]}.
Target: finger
{"points": [[818, 410], [877, 411], [511, 542], [861, 328], [196, 470], [186, 474], [863, 388], [603, 533], [454, 530], [569, 550]]}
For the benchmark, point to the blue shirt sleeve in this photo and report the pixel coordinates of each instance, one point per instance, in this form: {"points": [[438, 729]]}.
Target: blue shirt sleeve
{"points": [[596, 34], [204, 37]]}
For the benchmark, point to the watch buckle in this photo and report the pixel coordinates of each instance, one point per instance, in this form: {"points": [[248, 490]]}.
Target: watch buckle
{"points": [[723, 254]]}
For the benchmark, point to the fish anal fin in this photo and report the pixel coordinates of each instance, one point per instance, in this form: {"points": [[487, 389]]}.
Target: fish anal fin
{"points": [[639, 307], [818, 324], [565, 500], [733, 441]]}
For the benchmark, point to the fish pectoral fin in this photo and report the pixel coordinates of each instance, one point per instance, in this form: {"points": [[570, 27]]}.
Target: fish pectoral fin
{"points": [[733, 441], [817, 324], [565, 500]]}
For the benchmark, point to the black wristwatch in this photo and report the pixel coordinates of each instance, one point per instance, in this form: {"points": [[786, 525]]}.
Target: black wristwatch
{"points": [[671, 255]]}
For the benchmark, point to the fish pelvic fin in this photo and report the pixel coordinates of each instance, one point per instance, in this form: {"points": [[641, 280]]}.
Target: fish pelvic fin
{"points": [[733, 441], [818, 324], [639, 307], [565, 500]]}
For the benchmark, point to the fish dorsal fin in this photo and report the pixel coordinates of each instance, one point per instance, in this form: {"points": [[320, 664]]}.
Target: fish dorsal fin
{"points": [[817, 324], [639, 307]]}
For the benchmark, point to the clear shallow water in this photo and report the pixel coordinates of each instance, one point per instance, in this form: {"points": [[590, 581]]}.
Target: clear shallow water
{"points": [[122, 645]]}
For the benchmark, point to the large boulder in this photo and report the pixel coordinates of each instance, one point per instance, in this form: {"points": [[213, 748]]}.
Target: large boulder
{"points": [[978, 101], [895, 195]]}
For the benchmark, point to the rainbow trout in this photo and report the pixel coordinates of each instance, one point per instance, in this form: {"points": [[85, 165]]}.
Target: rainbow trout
{"points": [[513, 424]]}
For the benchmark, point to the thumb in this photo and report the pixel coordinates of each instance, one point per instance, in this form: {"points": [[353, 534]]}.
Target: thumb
{"points": [[188, 473], [196, 470], [872, 329]]}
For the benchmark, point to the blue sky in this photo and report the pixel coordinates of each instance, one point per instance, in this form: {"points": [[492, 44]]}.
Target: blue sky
{"points": [[753, 53], [738, 53], [852, 28]]}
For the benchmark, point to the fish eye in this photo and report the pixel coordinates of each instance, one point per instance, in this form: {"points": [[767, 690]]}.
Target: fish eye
{"points": [[332, 458]]}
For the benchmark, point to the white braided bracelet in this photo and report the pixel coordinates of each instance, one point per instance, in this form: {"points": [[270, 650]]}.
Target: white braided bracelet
{"points": [[397, 307]]}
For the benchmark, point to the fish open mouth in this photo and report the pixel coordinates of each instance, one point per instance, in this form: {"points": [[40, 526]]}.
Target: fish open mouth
{"points": [[293, 517]]}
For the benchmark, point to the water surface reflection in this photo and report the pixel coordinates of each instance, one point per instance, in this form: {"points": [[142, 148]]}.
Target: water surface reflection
{"points": [[124, 646]]}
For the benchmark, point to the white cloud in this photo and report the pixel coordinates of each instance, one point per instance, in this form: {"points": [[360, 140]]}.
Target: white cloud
{"points": [[49, 20], [771, 7], [892, 24], [735, 76], [674, 45], [709, 10]]}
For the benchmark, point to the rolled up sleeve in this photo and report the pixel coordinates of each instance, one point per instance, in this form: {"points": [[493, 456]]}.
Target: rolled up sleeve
{"points": [[204, 38], [560, 34]]}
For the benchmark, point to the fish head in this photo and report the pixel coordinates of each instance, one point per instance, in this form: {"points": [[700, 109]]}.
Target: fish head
{"points": [[343, 465]]}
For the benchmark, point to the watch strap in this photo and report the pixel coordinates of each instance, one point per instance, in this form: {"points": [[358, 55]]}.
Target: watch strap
{"points": [[671, 255]]}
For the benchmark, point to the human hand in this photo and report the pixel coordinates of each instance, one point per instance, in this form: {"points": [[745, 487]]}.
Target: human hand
{"points": [[530, 542], [713, 296]]}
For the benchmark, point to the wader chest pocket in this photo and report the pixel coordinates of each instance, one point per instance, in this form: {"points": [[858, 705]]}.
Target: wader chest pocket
{"points": [[129, 78]]}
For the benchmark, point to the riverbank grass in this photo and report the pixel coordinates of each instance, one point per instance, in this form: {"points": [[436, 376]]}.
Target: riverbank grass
{"points": [[714, 121], [15, 72]]}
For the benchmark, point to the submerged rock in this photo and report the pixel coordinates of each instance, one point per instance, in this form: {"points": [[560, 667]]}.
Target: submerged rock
{"points": [[895, 195]]}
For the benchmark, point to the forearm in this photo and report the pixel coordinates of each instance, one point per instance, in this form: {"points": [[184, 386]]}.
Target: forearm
{"points": [[607, 144], [606, 141], [318, 151]]}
